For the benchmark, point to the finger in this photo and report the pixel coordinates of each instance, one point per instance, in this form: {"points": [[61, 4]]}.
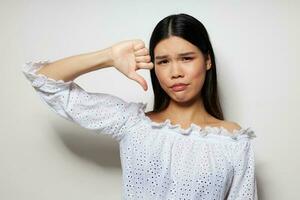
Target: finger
{"points": [[143, 58], [139, 44], [142, 65], [141, 52], [138, 78]]}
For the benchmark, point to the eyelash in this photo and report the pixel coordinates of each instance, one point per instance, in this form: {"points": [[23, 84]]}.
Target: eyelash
{"points": [[160, 62]]}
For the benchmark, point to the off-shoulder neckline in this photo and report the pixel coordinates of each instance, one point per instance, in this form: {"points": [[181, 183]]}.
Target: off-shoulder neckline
{"points": [[202, 131]]}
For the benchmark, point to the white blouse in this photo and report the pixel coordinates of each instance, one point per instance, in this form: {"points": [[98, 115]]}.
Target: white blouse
{"points": [[158, 160]]}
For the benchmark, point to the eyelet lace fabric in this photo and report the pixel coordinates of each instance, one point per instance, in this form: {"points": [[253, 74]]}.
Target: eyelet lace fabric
{"points": [[159, 160], [201, 131]]}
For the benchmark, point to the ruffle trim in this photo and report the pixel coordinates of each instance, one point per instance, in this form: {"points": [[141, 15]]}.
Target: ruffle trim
{"points": [[30, 68], [236, 134]]}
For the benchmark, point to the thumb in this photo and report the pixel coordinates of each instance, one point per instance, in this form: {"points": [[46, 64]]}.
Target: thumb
{"points": [[138, 78]]}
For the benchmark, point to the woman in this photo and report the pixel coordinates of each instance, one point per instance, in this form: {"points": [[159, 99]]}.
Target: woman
{"points": [[183, 149]]}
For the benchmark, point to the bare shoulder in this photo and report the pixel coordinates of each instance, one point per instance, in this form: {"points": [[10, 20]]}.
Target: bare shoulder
{"points": [[152, 115], [149, 113], [230, 125]]}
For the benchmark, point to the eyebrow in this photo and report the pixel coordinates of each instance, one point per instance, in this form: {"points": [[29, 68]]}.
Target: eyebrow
{"points": [[181, 54]]}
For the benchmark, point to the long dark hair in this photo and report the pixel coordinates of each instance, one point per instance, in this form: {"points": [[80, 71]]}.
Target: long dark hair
{"points": [[192, 30]]}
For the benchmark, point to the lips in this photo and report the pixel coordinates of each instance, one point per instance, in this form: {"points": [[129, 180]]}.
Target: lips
{"points": [[179, 87], [179, 84]]}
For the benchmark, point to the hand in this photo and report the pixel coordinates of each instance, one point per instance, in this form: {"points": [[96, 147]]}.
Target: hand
{"points": [[129, 56]]}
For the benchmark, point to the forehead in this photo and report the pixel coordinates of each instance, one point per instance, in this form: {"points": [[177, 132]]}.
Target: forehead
{"points": [[174, 46]]}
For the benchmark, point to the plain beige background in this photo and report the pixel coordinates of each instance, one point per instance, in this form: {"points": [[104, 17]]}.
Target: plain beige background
{"points": [[43, 156]]}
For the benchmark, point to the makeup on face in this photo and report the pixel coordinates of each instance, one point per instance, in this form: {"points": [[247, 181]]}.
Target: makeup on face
{"points": [[179, 67]]}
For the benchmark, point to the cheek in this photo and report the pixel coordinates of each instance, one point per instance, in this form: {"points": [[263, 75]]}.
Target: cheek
{"points": [[161, 76], [197, 73], [198, 77]]}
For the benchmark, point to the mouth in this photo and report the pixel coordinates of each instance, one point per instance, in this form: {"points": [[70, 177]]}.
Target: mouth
{"points": [[179, 87]]}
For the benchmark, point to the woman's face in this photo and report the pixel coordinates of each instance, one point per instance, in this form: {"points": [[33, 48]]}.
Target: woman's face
{"points": [[171, 68]]}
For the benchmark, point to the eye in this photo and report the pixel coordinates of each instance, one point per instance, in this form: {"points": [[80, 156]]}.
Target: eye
{"points": [[163, 61], [188, 58], [160, 62]]}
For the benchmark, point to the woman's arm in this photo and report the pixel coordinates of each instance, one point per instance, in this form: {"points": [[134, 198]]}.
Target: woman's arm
{"points": [[69, 68], [126, 56], [102, 112], [243, 184]]}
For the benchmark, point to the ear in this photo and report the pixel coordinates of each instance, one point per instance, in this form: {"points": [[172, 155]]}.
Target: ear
{"points": [[208, 62]]}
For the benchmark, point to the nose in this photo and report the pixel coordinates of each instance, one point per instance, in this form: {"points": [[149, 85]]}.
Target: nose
{"points": [[176, 70]]}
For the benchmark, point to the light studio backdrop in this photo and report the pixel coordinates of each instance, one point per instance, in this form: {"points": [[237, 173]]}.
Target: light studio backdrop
{"points": [[43, 156]]}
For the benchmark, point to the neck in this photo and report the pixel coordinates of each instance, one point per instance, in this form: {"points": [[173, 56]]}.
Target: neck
{"points": [[187, 113]]}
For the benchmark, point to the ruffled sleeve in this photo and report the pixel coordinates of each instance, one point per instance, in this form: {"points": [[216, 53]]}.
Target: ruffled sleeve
{"points": [[243, 184], [104, 113]]}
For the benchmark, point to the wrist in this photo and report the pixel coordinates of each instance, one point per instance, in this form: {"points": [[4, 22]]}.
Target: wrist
{"points": [[103, 58], [110, 57]]}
